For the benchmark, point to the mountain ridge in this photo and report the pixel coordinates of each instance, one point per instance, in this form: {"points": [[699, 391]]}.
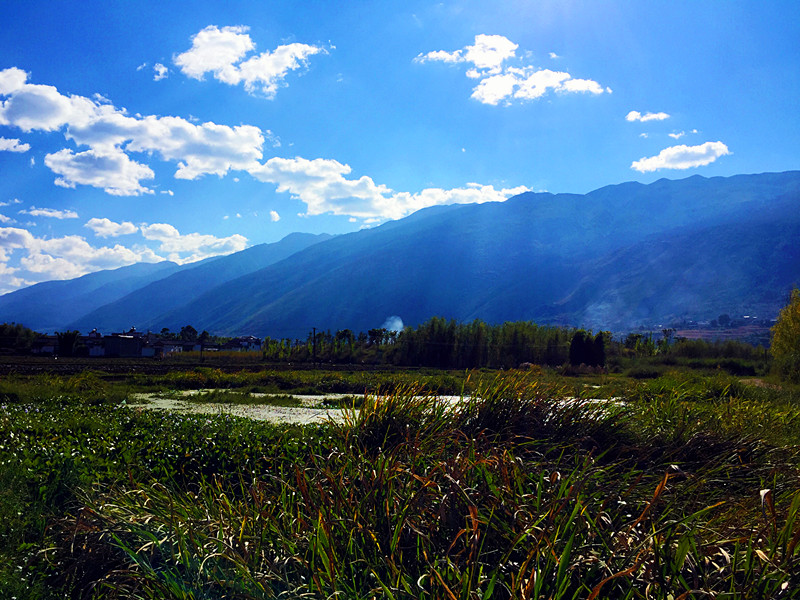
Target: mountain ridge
{"points": [[624, 254]]}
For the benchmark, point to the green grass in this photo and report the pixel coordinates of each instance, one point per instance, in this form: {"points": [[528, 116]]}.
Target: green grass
{"points": [[300, 382], [682, 486]]}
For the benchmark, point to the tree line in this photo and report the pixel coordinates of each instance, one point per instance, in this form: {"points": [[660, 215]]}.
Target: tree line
{"points": [[448, 344]]}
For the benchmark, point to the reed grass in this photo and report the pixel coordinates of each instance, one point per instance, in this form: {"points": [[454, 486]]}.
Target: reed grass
{"points": [[520, 490]]}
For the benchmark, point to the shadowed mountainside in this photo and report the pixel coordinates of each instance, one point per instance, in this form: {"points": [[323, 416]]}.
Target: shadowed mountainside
{"points": [[189, 282], [52, 305], [618, 257], [690, 247]]}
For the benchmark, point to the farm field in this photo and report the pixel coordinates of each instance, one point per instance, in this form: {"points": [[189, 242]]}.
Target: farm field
{"points": [[683, 484]]}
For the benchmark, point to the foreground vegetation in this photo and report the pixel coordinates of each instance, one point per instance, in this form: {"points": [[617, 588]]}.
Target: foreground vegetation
{"points": [[533, 486]]}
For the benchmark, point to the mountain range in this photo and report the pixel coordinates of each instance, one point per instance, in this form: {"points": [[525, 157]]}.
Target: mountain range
{"points": [[618, 257]]}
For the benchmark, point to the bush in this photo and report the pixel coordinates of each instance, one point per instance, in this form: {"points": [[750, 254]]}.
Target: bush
{"points": [[785, 346]]}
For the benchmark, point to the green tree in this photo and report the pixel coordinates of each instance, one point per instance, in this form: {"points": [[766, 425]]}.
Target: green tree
{"points": [[15, 337], [785, 346], [599, 349], [67, 342], [580, 348], [188, 333]]}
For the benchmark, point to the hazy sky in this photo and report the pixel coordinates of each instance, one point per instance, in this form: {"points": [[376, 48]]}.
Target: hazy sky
{"points": [[139, 131]]}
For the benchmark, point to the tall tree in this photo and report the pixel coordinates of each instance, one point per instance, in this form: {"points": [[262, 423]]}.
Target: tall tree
{"points": [[580, 348], [67, 342], [785, 346], [188, 333], [599, 350]]}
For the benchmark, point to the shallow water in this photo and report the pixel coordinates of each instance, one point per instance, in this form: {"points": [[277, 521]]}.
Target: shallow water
{"points": [[312, 409]]}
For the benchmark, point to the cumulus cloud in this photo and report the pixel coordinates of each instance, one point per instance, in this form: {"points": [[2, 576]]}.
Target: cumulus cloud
{"points": [[50, 212], [39, 107], [160, 72], [677, 135], [191, 246], [108, 228], [107, 137], [635, 115], [13, 145], [113, 171], [500, 82], [323, 186], [61, 258], [42, 258], [274, 216], [682, 157], [488, 52], [110, 135], [5, 219], [221, 52], [10, 202]]}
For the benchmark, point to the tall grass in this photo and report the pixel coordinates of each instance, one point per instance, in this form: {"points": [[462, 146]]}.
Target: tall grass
{"points": [[518, 491]]}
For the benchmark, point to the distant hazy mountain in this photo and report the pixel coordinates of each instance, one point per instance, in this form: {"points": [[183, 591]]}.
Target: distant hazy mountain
{"points": [[145, 303], [617, 257], [51, 305], [688, 247]]}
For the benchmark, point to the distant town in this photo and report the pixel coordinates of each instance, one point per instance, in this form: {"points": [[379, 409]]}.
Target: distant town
{"points": [[138, 344], [133, 343]]}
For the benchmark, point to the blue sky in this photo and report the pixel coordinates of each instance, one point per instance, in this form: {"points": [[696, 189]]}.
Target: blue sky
{"points": [[143, 131]]}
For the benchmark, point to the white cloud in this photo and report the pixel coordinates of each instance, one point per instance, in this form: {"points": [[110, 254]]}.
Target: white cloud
{"points": [[635, 115], [266, 72], [10, 202], [111, 134], [108, 228], [495, 88], [488, 52], [12, 80], [215, 51], [274, 216], [553, 55], [202, 149], [160, 72], [50, 212], [5, 219], [39, 107], [321, 184], [499, 82], [682, 157], [192, 246], [218, 51], [61, 258], [644, 135], [13, 145], [677, 136], [113, 171]]}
